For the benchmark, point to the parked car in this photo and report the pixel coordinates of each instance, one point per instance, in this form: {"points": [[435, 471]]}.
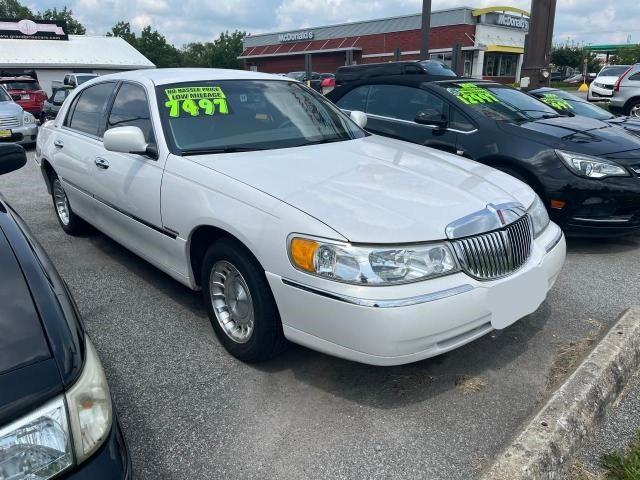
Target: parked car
{"points": [[354, 73], [75, 79], [602, 86], [56, 413], [27, 93], [327, 83], [16, 125], [565, 102], [626, 93], [315, 81], [53, 104], [294, 222], [580, 78], [586, 171]]}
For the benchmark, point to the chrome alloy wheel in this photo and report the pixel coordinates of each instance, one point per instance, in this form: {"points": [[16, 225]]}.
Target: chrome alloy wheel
{"points": [[635, 111], [62, 204], [232, 302]]}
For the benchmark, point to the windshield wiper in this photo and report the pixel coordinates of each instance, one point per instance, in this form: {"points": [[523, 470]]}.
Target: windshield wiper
{"points": [[325, 140], [208, 151]]}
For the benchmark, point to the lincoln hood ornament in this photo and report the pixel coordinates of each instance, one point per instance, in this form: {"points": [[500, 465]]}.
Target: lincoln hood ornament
{"points": [[493, 217]]}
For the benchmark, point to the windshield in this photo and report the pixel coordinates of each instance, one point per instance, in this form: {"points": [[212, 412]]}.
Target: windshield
{"points": [[21, 85], [4, 96], [498, 102], [240, 115], [565, 102], [80, 79], [437, 68], [613, 71]]}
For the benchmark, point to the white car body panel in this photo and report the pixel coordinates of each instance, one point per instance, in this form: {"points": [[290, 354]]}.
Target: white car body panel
{"points": [[372, 190]]}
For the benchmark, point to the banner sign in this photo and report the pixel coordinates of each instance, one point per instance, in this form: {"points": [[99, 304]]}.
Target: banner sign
{"points": [[33, 30]]}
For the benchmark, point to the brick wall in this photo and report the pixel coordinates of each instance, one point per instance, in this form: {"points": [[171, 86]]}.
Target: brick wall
{"points": [[439, 37]]}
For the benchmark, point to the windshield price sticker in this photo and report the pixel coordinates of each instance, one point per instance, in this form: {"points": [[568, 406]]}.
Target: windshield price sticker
{"points": [[196, 101], [555, 102], [472, 94]]}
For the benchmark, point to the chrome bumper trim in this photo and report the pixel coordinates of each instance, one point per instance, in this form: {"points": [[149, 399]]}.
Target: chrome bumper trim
{"points": [[401, 302], [554, 242]]}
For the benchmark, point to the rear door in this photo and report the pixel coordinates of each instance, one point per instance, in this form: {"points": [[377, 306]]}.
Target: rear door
{"points": [[127, 185], [392, 109], [77, 142]]}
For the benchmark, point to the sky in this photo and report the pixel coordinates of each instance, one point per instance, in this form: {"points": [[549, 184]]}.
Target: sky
{"points": [[184, 21]]}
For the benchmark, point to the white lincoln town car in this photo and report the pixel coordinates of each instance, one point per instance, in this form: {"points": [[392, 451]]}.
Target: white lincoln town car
{"points": [[293, 221]]}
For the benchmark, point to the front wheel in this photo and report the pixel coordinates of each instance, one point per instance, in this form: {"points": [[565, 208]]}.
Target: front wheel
{"points": [[240, 304], [69, 221]]}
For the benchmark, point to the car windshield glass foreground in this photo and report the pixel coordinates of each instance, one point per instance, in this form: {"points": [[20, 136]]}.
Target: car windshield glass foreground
{"points": [[248, 115], [294, 223], [564, 102]]}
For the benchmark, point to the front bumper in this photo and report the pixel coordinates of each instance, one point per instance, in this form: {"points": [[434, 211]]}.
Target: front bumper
{"points": [[110, 462], [408, 323], [599, 93], [28, 134]]}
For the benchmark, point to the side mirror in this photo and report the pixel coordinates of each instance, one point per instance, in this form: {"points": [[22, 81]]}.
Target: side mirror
{"points": [[15, 97], [432, 118], [359, 118], [126, 140], [12, 157]]}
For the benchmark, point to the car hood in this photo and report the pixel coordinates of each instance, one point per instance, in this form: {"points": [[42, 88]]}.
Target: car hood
{"points": [[606, 80], [10, 108], [374, 189], [579, 134]]}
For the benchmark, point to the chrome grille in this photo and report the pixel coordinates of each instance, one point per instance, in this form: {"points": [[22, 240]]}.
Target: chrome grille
{"points": [[496, 254], [9, 121]]}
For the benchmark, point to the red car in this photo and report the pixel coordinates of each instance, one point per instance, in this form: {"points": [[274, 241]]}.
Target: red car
{"points": [[27, 93]]}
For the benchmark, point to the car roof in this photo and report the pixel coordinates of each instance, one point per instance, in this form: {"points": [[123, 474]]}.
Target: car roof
{"points": [[163, 76], [22, 79]]}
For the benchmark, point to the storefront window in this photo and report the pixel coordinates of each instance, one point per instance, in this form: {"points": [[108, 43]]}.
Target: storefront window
{"points": [[444, 57], [500, 65]]}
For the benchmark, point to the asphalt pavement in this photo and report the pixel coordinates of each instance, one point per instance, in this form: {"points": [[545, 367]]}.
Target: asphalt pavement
{"points": [[191, 411]]}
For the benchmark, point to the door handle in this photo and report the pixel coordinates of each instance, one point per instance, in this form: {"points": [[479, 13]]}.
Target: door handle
{"points": [[58, 143], [101, 163]]}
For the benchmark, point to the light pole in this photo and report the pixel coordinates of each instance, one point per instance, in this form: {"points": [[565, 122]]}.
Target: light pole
{"points": [[537, 46], [426, 25]]}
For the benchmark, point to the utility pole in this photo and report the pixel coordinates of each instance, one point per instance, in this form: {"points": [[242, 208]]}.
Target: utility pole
{"points": [[537, 45], [426, 26]]}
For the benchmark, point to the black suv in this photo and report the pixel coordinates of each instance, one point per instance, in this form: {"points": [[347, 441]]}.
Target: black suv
{"points": [[56, 412], [585, 170], [354, 73]]}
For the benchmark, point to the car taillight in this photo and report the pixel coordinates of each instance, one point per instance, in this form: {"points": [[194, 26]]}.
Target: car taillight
{"points": [[329, 82], [616, 86]]}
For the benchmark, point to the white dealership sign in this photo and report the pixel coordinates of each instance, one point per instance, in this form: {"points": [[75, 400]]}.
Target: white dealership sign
{"points": [[295, 36]]}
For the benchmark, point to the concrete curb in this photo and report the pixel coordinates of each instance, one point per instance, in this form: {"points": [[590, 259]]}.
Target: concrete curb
{"points": [[554, 435]]}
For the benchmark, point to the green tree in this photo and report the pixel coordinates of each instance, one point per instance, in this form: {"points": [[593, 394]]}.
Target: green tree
{"points": [[567, 56], [123, 30], [221, 53], [197, 54], [627, 55], [14, 9], [155, 47], [74, 27]]}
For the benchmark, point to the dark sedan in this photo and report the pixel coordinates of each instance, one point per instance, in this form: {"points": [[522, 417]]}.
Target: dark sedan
{"points": [[564, 102], [585, 170], [56, 413], [52, 104]]}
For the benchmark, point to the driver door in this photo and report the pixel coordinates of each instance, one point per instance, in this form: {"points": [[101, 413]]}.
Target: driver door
{"points": [[392, 110]]}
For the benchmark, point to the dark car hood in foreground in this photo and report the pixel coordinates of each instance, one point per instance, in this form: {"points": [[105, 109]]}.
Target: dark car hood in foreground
{"points": [[579, 134]]}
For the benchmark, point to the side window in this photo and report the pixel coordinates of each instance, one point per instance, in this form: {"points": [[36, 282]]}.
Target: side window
{"points": [[635, 77], [59, 96], [356, 99], [413, 70], [399, 101], [131, 108], [88, 114], [459, 121]]}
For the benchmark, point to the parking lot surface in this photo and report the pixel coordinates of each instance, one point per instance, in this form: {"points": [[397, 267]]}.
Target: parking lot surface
{"points": [[191, 411]]}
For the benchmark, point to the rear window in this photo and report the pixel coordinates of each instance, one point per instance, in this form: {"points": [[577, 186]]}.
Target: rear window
{"points": [[436, 68], [612, 71], [21, 85]]}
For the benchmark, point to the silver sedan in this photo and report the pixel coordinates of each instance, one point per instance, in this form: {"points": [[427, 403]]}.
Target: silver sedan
{"points": [[16, 125]]}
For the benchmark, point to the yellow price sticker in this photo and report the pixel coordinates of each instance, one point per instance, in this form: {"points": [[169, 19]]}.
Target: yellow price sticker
{"points": [[196, 101]]}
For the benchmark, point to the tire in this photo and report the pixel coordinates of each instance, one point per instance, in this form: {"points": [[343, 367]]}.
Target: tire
{"points": [[68, 220], [633, 109], [240, 303]]}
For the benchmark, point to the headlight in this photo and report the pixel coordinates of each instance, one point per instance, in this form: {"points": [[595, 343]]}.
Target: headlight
{"points": [[27, 118], [539, 215], [89, 404], [371, 265], [591, 167], [38, 446]]}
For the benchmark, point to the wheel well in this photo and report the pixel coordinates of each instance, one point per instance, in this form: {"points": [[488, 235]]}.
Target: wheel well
{"points": [[47, 172], [201, 238], [530, 178], [629, 102]]}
